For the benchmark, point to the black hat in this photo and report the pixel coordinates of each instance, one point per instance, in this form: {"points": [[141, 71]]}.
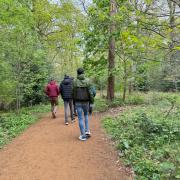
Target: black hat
{"points": [[80, 71], [66, 76]]}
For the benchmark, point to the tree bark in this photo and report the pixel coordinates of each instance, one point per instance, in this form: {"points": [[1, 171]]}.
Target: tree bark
{"points": [[177, 2], [172, 9], [125, 81], [111, 55]]}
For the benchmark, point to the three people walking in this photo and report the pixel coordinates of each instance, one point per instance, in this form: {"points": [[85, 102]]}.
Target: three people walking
{"points": [[81, 92]]}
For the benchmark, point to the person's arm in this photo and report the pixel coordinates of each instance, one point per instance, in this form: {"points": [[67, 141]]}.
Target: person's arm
{"points": [[91, 94], [57, 90], [94, 90], [61, 90], [46, 90], [74, 90]]}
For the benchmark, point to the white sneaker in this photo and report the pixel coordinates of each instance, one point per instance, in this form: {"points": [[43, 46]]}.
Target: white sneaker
{"points": [[66, 123], [88, 133], [82, 138]]}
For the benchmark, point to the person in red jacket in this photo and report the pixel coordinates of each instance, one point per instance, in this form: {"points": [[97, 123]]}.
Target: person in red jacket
{"points": [[52, 91]]}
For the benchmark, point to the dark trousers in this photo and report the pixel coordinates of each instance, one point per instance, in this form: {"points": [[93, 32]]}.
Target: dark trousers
{"points": [[74, 107], [66, 104]]}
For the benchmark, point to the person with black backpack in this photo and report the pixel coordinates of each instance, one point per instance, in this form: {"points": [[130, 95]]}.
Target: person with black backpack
{"points": [[66, 89], [82, 96]]}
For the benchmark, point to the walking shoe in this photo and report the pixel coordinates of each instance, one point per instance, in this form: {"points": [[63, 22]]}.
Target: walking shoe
{"points": [[82, 138], [66, 123], [73, 120], [88, 134], [53, 115]]}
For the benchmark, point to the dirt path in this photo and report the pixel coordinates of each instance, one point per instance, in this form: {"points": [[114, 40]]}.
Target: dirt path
{"points": [[49, 150]]}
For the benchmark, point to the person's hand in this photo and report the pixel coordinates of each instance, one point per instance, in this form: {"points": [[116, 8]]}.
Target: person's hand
{"points": [[91, 108]]}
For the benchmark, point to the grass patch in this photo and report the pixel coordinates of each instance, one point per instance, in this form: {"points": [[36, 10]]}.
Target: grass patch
{"points": [[148, 137], [102, 104], [137, 98], [12, 124]]}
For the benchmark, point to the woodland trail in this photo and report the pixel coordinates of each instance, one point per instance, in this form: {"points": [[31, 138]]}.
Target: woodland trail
{"points": [[49, 150]]}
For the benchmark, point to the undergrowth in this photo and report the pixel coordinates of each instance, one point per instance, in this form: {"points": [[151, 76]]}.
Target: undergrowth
{"points": [[12, 124], [148, 137]]}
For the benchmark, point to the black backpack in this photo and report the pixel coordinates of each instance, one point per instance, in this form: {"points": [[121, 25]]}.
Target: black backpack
{"points": [[82, 94]]}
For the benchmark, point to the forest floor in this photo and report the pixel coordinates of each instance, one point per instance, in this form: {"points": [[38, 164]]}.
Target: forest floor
{"points": [[50, 150]]}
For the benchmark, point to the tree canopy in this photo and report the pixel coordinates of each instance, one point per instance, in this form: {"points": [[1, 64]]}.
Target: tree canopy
{"points": [[123, 45]]}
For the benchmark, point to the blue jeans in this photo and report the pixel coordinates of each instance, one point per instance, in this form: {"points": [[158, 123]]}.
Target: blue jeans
{"points": [[83, 108]]}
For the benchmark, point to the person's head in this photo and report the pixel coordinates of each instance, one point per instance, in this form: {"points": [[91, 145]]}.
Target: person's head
{"points": [[66, 76], [80, 71], [51, 79]]}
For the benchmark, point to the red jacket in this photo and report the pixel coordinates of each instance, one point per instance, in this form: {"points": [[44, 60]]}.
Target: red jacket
{"points": [[52, 89]]}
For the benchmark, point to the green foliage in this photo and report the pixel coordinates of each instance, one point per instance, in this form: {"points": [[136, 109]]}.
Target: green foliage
{"points": [[149, 141], [141, 78], [12, 124], [135, 100], [38, 39], [7, 86], [101, 105], [116, 102], [22, 55], [146, 45]]}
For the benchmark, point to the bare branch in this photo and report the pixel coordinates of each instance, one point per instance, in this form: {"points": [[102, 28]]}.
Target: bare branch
{"points": [[177, 2], [84, 6]]}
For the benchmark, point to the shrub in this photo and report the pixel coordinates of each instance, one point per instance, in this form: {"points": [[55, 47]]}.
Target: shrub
{"points": [[12, 124], [101, 105], [116, 102], [135, 100], [147, 141]]}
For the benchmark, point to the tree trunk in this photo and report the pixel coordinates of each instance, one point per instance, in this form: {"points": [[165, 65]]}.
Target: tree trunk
{"points": [[172, 9], [111, 55], [172, 23], [124, 90], [176, 2], [125, 81], [130, 84], [130, 88], [18, 99]]}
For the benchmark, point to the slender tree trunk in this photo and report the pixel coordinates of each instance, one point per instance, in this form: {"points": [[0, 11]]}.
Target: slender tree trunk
{"points": [[18, 93], [111, 55], [18, 99], [125, 81], [171, 23], [124, 90], [130, 88], [172, 7], [101, 89], [176, 2], [130, 84]]}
